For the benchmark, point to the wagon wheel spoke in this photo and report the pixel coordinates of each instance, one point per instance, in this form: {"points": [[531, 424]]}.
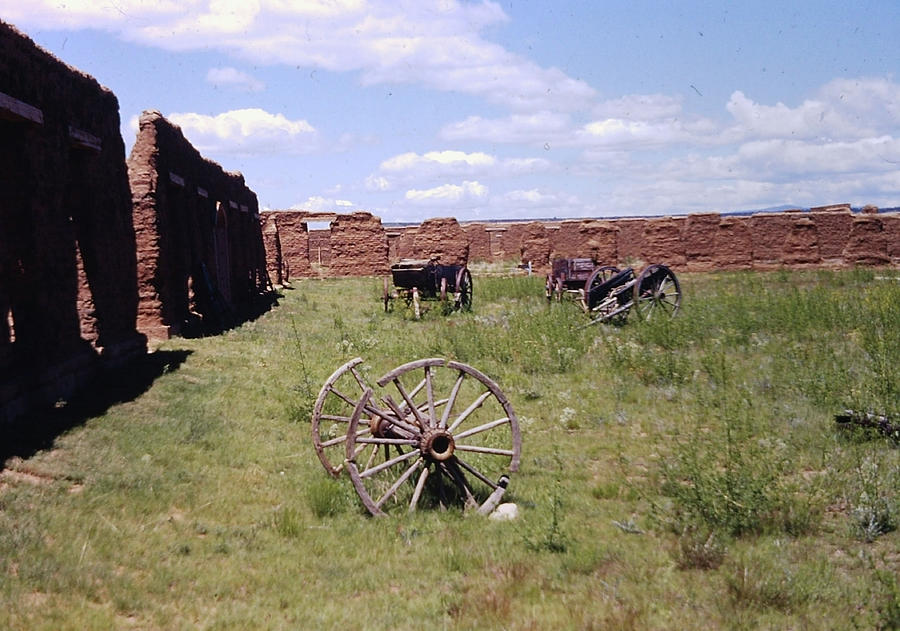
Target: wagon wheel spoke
{"points": [[399, 481], [332, 414], [453, 472], [417, 492], [467, 437]]}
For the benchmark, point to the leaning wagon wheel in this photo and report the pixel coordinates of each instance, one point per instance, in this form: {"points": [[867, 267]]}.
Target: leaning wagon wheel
{"points": [[332, 413], [657, 292], [452, 440], [463, 289]]}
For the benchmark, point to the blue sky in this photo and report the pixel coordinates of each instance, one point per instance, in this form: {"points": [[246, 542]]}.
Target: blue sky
{"points": [[513, 109]]}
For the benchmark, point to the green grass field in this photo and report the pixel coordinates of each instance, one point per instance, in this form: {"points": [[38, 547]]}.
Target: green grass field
{"points": [[683, 473]]}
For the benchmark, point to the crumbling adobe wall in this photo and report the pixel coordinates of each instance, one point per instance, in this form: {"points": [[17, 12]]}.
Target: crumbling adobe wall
{"points": [[867, 243], [359, 246], [734, 244], [201, 258], [891, 222], [631, 240], [801, 245], [534, 246], [586, 239], [293, 236], [404, 244], [272, 244], [479, 242], [770, 231], [68, 296], [443, 239], [662, 242], [833, 227], [699, 240]]}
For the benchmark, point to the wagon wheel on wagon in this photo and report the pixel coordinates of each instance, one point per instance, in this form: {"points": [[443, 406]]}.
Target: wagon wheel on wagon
{"points": [[599, 276], [453, 440], [332, 412], [657, 292], [463, 299]]}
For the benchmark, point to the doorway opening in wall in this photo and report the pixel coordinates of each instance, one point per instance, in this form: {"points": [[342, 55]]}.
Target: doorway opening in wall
{"points": [[7, 328]]}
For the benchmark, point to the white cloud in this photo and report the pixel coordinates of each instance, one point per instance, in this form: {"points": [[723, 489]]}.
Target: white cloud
{"points": [[436, 43], [536, 128], [411, 166], [467, 194], [453, 159], [246, 132], [324, 205], [378, 183], [233, 77]]}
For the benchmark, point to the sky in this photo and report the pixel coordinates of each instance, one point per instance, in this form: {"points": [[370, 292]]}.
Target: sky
{"points": [[478, 110]]}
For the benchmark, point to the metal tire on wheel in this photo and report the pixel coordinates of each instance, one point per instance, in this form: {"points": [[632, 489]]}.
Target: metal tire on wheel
{"points": [[449, 438], [657, 292]]}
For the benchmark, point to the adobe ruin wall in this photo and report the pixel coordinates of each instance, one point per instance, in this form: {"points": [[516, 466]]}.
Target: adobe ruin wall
{"points": [[68, 296], [200, 252], [831, 236]]}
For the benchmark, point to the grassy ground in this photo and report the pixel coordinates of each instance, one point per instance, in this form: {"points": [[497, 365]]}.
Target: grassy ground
{"points": [[683, 473]]}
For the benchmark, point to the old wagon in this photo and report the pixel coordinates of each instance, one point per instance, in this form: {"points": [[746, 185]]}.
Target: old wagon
{"points": [[607, 293], [415, 280], [429, 433]]}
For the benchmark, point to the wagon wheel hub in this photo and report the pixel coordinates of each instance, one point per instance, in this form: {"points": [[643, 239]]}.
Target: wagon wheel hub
{"points": [[380, 428], [437, 445]]}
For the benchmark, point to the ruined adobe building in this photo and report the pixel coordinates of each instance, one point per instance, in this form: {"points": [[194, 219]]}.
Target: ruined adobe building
{"points": [[68, 296], [831, 236], [97, 255], [201, 259]]}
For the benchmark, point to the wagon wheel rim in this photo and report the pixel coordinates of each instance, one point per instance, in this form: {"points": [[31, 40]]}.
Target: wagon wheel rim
{"points": [[599, 276], [657, 292], [464, 289], [332, 414], [454, 443]]}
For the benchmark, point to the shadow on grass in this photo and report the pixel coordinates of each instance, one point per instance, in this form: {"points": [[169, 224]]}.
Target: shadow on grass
{"points": [[39, 429]]}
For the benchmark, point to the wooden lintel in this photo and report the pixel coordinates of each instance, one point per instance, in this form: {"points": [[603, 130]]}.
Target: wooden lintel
{"points": [[16, 110], [176, 179], [84, 140], [202, 192]]}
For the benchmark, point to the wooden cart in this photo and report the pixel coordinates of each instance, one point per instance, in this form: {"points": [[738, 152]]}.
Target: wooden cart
{"points": [[415, 280], [607, 293]]}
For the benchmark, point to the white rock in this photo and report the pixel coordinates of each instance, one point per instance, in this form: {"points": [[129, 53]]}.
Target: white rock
{"points": [[505, 512]]}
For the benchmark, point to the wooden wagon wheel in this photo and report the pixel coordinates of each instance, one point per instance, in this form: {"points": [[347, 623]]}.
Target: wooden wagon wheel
{"points": [[599, 276], [332, 413], [657, 292], [463, 299], [452, 440]]}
